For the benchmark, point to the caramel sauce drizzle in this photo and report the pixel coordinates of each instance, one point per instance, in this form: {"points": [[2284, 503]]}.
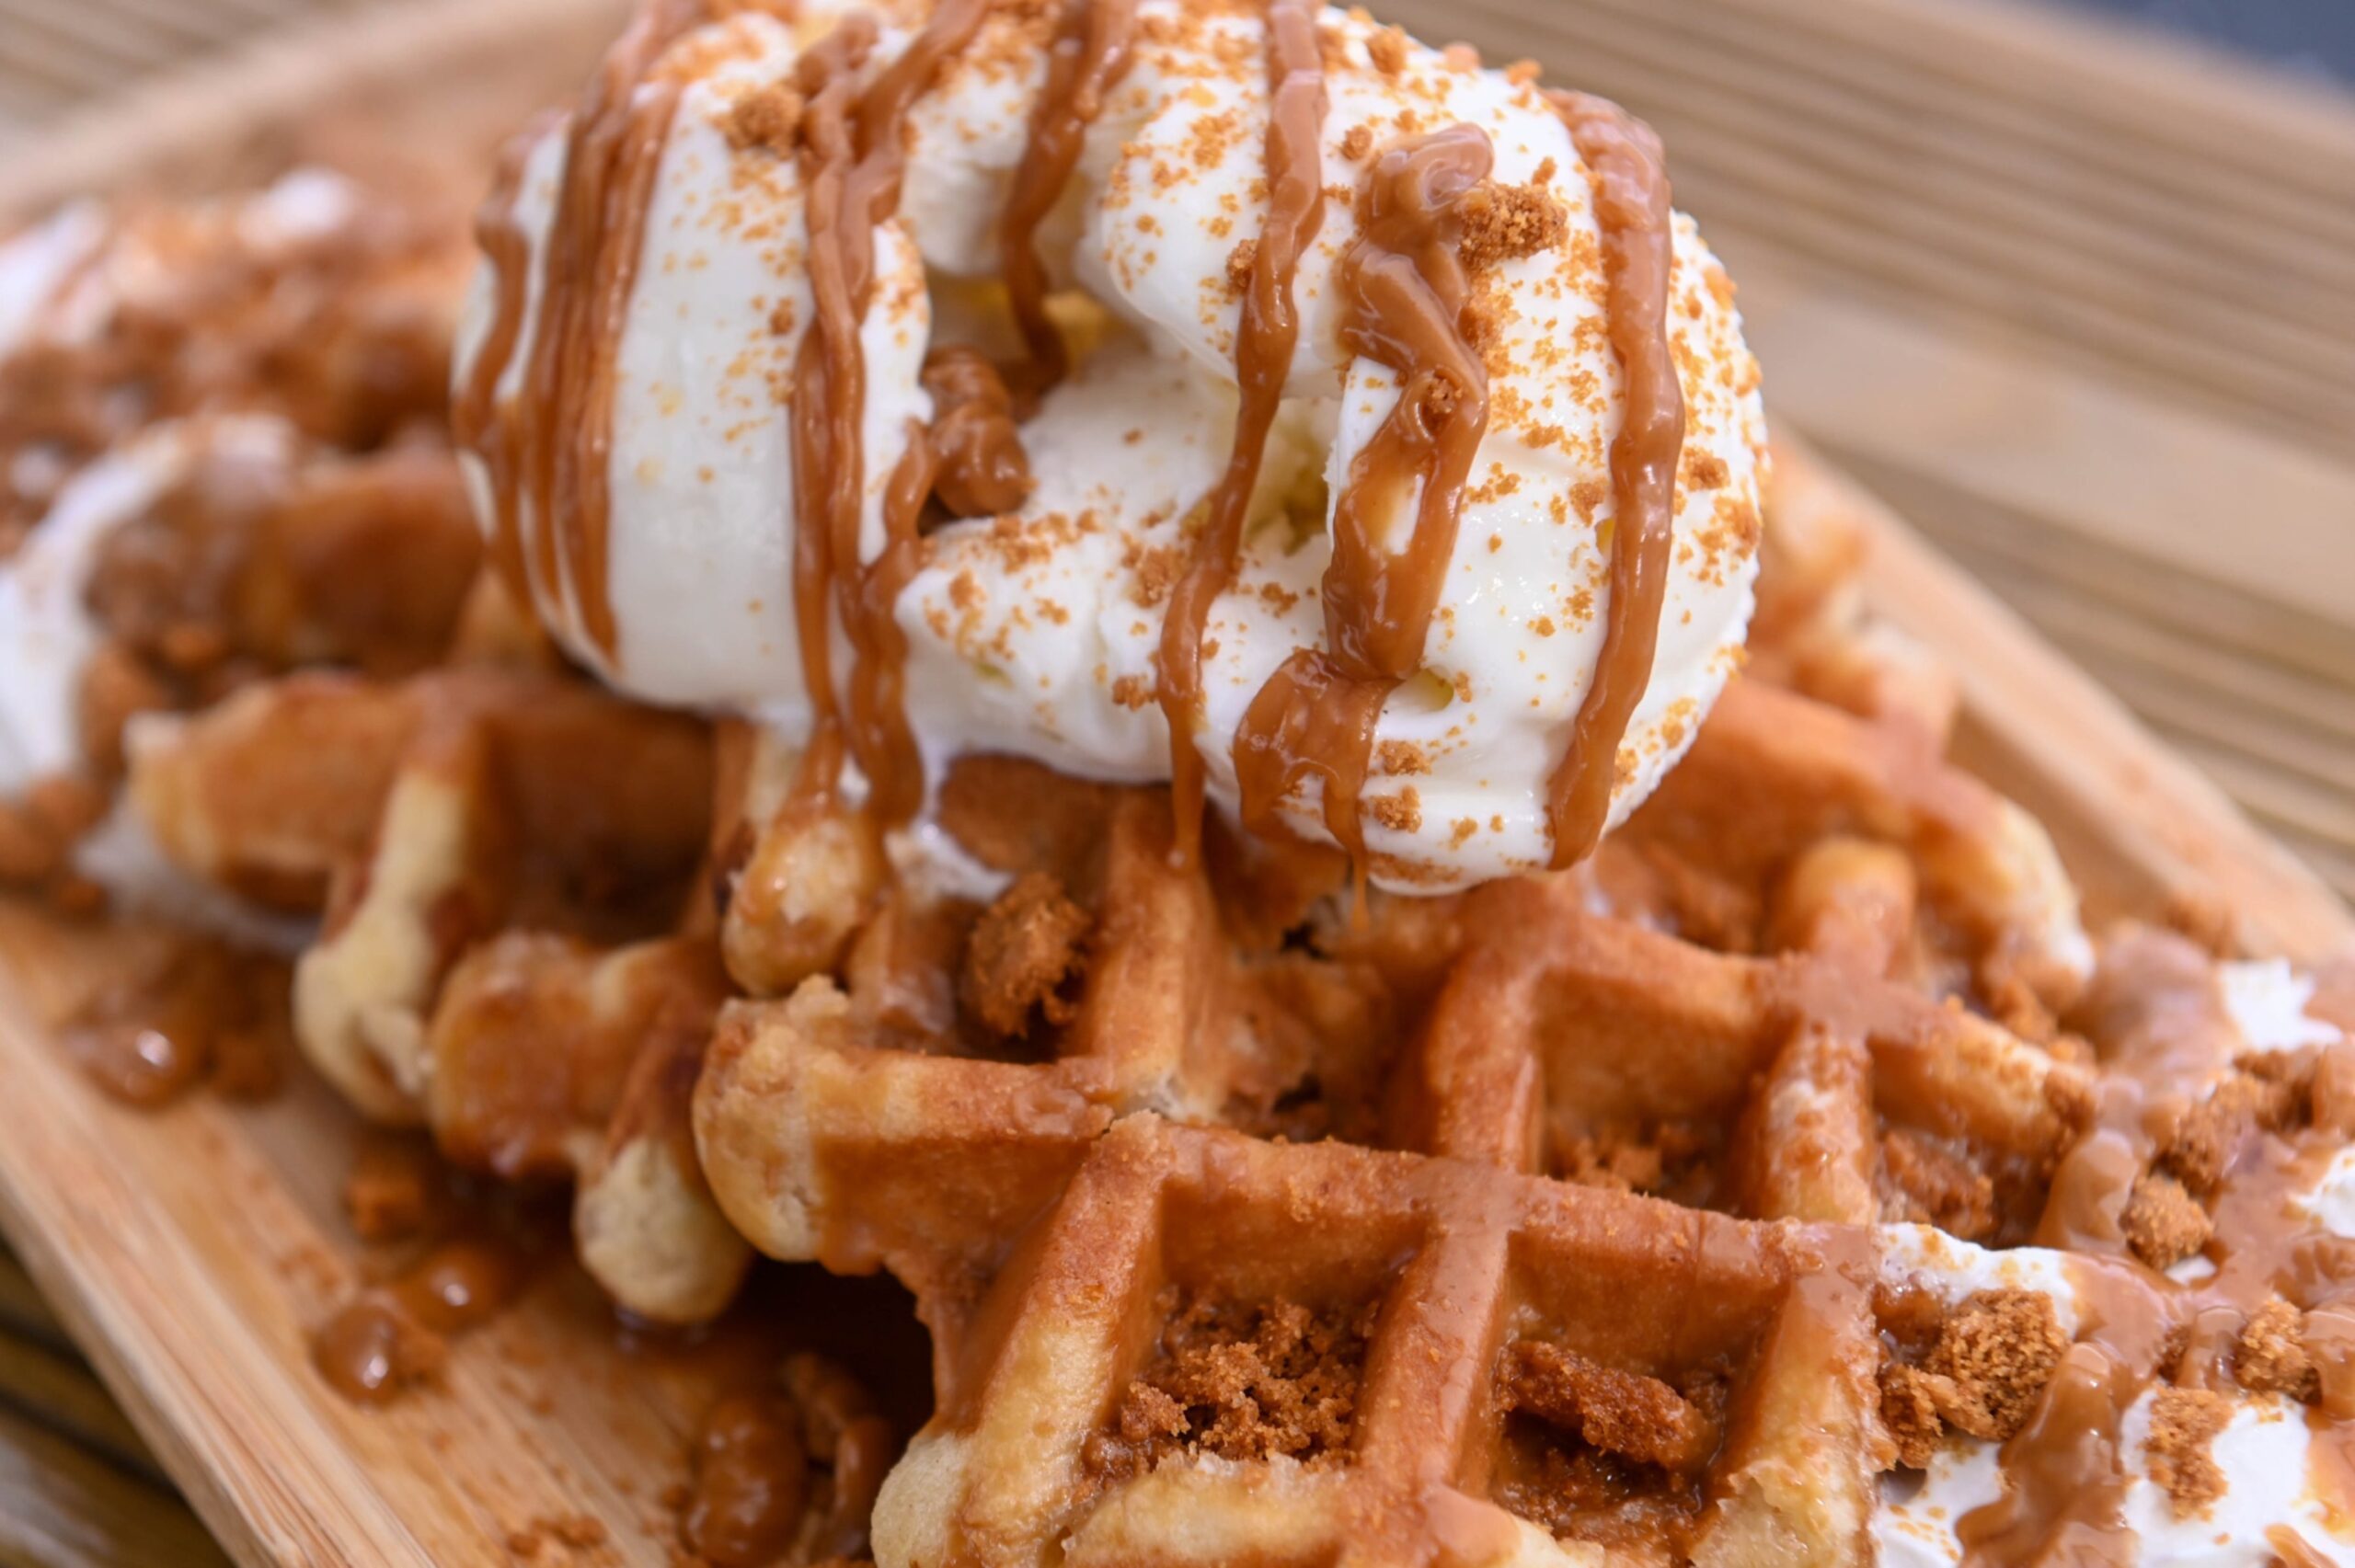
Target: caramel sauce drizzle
{"points": [[795, 1464], [1631, 207], [2164, 1032], [852, 163], [974, 437], [206, 1011], [752, 1482], [1093, 49], [1403, 291], [611, 152], [1265, 338], [2066, 1493], [480, 420]]}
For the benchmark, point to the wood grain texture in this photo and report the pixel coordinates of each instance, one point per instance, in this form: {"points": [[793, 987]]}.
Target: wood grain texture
{"points": [[63, 1505], [191, 1251], [78, 1485]]}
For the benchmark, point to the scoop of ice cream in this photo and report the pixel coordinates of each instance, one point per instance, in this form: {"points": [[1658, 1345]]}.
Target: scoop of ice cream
{"points": [[1037, 629]]}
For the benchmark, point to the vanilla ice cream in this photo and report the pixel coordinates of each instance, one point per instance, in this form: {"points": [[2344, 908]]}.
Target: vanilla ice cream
{"points": [[1035, 631]]}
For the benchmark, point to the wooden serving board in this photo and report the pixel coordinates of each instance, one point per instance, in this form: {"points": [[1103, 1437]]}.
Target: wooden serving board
{"points": [[191, 1251]]}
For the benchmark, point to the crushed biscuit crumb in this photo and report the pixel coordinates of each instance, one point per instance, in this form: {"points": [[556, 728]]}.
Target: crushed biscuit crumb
{"points": [[1909, 1409], [1504, 223], [2164, 1223], [1627, 1414], [1241, 1382], [2204, 1143], [1993, 1354], [2184, 1423], [765, 119], [2271, 1357], [1401, 813], [1025, 950], [1239, 262]]}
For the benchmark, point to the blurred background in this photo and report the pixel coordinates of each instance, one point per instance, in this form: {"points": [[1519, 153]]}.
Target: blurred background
{"points": [[2069, 283]]}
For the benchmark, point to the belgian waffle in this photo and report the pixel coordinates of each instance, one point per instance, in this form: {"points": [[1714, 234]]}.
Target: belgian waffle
{"points": [[488, 847], [1610, 1217]]}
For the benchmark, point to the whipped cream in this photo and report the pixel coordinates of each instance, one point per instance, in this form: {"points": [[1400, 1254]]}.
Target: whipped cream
{"points": [[1036, 632]]}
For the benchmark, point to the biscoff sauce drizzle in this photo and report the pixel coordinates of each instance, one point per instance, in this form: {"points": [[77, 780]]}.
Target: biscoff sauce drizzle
{"points": [[1403, 291], [1631, 208], [612, 150], [1094, 46], [974, 436], [1264, 340], [2165, 1035], [852, 162], [2066, 1493], [480, 420]]}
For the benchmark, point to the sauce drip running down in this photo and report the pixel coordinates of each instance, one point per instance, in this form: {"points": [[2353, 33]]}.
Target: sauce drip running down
{"points": [[481, 421], [1264, 341], [1631, 207], [852, 163], [796, 1465], [561, 458], [2067, 1491], [1402, 290], [752, 1482], [983, 470], [206, 1012], [1092, 51]]}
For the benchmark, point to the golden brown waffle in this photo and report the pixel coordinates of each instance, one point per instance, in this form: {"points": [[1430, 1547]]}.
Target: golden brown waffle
{"points": [[1563, 1044], [1628, 1215], [1568, 1220], [1412, 1283], [326, 300], [501, 857]]}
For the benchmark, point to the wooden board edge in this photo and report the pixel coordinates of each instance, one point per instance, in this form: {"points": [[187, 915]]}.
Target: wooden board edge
{"points": [[2129, 813], [162, 1395]]}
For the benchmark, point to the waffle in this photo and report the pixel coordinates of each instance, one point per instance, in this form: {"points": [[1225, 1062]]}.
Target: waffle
{"points": [[1420, 1275], [326, 299], [502, 857], [1227, 1101]]}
